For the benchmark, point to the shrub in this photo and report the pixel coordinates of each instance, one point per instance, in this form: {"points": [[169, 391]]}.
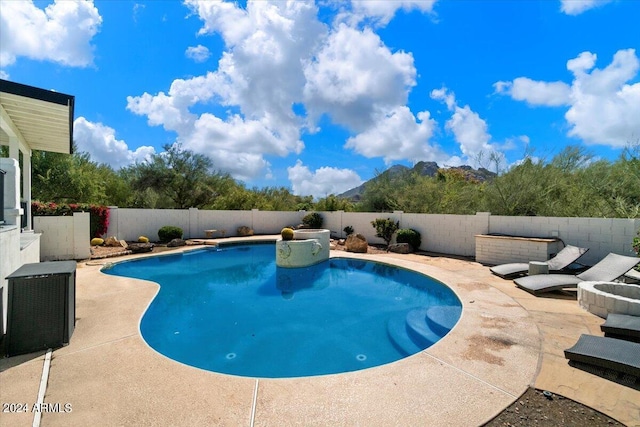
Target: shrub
{"points": [[385, 228], [287, 233], [169, 232], [348, 230], [410, 236], [312, 220], [143, 239], [97, 241]]}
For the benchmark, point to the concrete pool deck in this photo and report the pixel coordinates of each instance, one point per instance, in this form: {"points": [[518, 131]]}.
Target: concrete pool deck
{"points": [[506, 341]]}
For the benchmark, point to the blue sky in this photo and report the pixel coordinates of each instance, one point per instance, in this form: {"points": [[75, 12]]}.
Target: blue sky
{"points": [[317, 97]]}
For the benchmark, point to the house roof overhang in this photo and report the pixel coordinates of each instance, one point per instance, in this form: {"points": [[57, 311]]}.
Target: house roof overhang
{"points": [[40, 119]]}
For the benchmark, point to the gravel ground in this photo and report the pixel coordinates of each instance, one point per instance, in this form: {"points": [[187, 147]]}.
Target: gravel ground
{"points": [[533, 408]]}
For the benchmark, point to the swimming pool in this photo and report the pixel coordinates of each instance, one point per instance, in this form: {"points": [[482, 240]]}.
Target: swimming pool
{"points": [[230, 310]]}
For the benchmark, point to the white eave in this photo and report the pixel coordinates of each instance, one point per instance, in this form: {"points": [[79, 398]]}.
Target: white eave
{"points": [[40, 119]]}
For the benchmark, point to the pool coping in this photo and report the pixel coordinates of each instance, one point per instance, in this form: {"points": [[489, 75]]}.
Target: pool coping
{"points": [[111, 377]]}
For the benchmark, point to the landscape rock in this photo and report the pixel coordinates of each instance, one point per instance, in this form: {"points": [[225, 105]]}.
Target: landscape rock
{"points": [[176, 242], [400, 248], [112, 242], [138, 248], [244, 231], [356, 243]]}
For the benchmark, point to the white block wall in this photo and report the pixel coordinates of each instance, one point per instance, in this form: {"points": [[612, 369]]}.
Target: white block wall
{"points": [[502, 250], [448, 234], [600, 235], [64, 237], [129, 224]]}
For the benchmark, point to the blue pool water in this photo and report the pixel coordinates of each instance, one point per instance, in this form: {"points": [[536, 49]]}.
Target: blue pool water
{"points": [[231, 310]]}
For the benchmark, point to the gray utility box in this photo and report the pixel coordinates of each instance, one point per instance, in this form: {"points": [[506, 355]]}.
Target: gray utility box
{"points": [[41, 306]]}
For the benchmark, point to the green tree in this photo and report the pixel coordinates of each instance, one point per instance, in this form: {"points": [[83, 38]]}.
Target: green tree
{"points": [[64, 178], [181, 178], [333, 203]]}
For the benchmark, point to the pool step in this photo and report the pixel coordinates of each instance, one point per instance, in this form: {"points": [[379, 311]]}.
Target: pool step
{"points": [[442, 319], [409, 332], [419, 330], [397, 332]]}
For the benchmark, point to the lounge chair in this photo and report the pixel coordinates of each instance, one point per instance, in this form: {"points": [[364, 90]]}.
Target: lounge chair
{"points": [[609, 268], [567, 256], [622, 326], [610, 353]]}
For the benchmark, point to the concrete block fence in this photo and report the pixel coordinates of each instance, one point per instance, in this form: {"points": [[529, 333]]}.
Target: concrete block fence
{"points": [[447, 234], [64, 237]]}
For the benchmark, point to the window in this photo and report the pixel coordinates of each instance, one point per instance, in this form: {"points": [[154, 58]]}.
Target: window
{"points": [[2, 196]]}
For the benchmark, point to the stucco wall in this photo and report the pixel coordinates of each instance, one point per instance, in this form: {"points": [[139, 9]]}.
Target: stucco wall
{"points": [[9, 262]]}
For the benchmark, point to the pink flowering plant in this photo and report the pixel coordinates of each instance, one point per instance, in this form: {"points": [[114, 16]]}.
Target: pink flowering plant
{"points": [[99, 215]]}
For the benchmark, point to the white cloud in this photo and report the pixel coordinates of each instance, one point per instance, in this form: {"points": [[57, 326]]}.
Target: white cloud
{"points": [[278, 57], [226, 18], [603, 107], [4, 75], [321, 182], [355, 76], [383, 11], [260, 74], [62, 32], [198, 53], [470, 131], [100, 142], [576, 7], [397, 135], [536, 92]]}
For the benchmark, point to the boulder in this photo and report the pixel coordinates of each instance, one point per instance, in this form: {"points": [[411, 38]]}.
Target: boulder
{"points": [[244, 231], [138, 248], [356, 243], [400, 248], [176, 242], [112, 242]]}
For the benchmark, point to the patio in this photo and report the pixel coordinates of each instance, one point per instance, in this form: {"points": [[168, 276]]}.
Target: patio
{"points": [[506, 341]]}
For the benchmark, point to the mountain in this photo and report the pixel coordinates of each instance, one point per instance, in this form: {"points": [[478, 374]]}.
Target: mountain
{"points": [[399, 172]]}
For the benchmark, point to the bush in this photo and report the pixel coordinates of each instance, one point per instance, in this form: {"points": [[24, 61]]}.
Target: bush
{"points": [[287, 233], [348, 230], [385, 228], [312, 220], [410, 236], [169, 232]]}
